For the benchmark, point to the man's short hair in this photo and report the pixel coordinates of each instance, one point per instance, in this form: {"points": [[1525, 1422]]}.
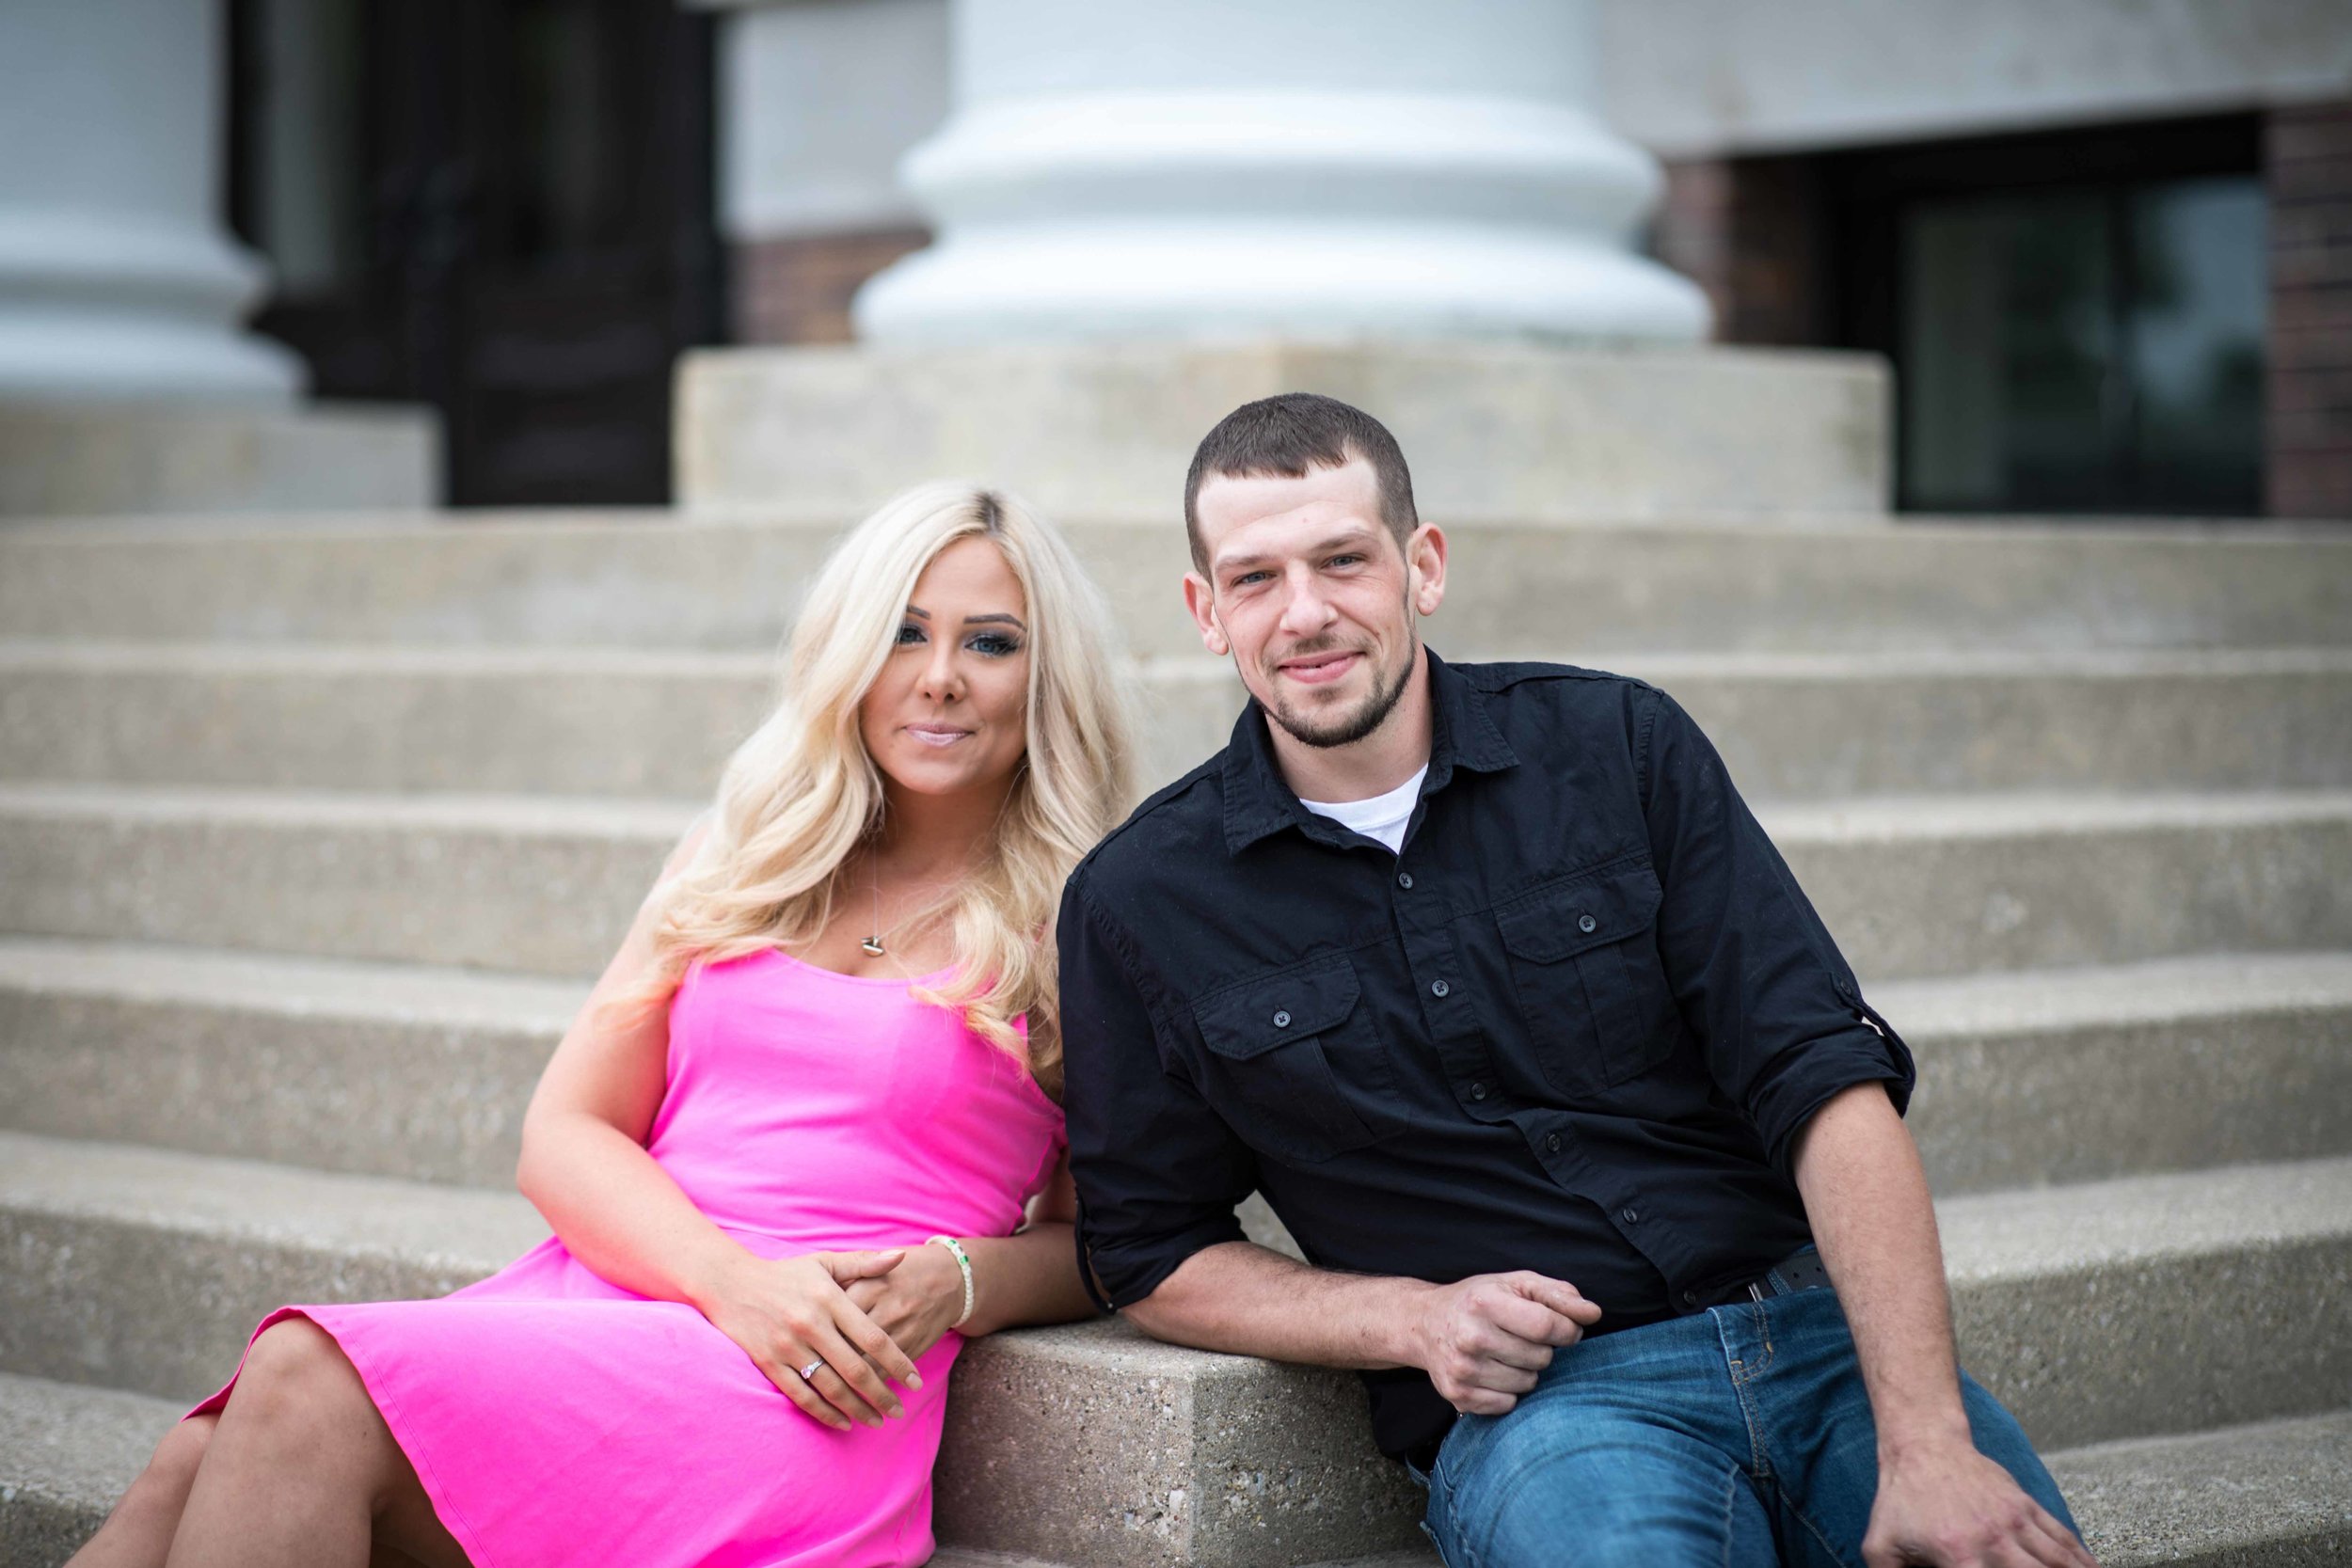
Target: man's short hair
{"points": [[1288, 435]]}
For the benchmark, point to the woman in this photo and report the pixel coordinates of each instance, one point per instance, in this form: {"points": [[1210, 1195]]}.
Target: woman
{"points": [[784, 1150]]}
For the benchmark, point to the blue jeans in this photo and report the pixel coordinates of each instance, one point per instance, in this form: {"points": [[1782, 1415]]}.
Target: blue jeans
{"points": [[1734, 1437]]}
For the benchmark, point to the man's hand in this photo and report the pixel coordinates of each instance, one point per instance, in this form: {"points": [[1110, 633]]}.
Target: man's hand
{"points": [[1483, 1340], [1953, 1508]]}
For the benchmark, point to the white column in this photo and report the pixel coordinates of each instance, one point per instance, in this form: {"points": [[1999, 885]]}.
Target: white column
{"points": [[1313, 168], [116, 279]]}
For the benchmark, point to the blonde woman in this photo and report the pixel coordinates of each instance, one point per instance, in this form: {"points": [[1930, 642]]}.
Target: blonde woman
{"points": [[785, 1148]]}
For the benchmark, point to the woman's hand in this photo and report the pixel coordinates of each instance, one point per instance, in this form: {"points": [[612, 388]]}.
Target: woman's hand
{"points": [[793, 1312], [916, 1303]]}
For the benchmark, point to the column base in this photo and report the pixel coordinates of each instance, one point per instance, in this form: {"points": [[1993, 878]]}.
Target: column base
{"points": [[1204, 281], [123, 308]]}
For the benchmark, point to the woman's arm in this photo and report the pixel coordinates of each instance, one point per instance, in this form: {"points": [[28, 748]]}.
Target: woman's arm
{"points": [[1028, 1277], [585, 1168]]}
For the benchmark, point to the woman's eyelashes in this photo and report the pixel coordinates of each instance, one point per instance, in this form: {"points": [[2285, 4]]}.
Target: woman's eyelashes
{"points": [[994, 644]]}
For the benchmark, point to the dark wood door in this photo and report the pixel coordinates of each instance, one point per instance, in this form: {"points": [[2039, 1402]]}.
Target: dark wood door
{"points": [[503, 208]]}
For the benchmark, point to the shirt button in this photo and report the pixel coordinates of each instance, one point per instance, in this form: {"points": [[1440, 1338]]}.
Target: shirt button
{"points": [[1478, 1091], [1552, 1143], [1405, 881], [1438, 987], [1587, 924], [1630, 1216], [1281, 1021], [1690, 1298]]}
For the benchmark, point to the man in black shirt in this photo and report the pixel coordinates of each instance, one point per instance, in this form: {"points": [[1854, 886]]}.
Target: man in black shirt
{"points": [[1487, 978]]}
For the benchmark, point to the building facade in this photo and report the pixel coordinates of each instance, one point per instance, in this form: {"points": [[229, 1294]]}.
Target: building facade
{"points": [[2105, 244]]}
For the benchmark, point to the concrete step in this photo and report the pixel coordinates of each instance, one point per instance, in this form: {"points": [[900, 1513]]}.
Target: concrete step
{"points": [[2089, 1307], [1593, 589], [66, 1453], [313, 716], [2271, 1495], [422, 1073], [1916, 886], [637, 722], [2158, 1304], [2268, 1495], [374, 1069], [1494, 430], [2071, 1302], [2068, 1075], [535, 884], [1956, 885], [462, 718], [147, 1270], [107, 455]]}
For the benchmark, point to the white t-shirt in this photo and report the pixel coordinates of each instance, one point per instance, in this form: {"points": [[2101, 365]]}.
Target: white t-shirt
{"points": [[1383, 816]]}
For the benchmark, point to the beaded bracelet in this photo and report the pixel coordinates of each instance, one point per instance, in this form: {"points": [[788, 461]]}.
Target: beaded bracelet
{"points": [[954, 1250]]}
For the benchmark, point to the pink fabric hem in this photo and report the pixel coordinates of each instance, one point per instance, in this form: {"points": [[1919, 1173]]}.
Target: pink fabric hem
{"points": [[412, 1444]]}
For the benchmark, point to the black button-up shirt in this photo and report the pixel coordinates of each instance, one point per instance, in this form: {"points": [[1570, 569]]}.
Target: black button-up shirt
{"points": [[1575, 1027]]}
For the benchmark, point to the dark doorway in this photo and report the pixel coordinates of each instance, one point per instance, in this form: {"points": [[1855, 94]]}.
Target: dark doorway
{"points": [[501, 208], [2076, 319]]}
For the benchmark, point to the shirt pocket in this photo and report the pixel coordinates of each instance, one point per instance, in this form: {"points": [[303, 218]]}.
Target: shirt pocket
{"points": [[1593, 995], [1279, 1048]]}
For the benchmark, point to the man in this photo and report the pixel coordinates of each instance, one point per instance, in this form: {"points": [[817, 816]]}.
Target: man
{"points": [[1485, 975]]}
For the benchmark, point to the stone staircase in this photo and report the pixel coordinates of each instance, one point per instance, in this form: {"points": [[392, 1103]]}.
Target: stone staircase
{"points": [[313, 832]]}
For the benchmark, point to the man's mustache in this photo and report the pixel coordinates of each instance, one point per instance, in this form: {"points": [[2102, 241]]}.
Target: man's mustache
{"points": [[1318, 645]]}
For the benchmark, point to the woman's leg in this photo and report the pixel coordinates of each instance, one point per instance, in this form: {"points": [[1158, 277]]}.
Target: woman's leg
{"points": [[137, 1534], [303, 1471]]}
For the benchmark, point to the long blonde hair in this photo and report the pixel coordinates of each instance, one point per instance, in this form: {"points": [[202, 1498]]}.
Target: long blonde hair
{"points": [[802, 793]]}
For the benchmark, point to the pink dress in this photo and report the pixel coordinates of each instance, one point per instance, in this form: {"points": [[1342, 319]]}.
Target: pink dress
{"points": [[555, 1418]]}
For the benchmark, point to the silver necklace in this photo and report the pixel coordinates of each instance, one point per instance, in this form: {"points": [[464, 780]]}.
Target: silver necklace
{"points": [[873, 944]]}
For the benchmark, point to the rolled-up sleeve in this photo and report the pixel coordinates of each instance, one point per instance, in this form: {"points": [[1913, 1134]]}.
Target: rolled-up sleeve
{"points": [[1157, 1171], [1776, 1008]]}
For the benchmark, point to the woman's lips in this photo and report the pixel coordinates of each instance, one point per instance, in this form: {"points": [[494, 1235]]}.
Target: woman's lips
{"points": [[936, 734], [1320, 669]]}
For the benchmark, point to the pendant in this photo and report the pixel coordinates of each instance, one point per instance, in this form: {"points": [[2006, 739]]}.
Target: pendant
{"points": [[873, 946]]}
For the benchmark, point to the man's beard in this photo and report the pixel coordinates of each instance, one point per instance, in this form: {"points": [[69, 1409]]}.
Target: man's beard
{"points": [[1345, 729]]}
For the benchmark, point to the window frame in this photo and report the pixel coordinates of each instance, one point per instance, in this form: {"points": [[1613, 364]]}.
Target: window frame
{"points": [[1865, 194]]}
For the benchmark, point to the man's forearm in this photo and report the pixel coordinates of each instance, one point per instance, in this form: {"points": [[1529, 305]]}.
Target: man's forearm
{"points": [[1866, 1196], [1240, 1298]]}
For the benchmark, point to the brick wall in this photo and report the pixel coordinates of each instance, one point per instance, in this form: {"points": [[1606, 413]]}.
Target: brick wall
{"points": [[797, 290], [1745, 231], [2306, 154]]}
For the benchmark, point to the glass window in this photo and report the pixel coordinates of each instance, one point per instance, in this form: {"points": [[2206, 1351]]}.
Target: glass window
{"points": [[2195, 342], [2084, 348]]}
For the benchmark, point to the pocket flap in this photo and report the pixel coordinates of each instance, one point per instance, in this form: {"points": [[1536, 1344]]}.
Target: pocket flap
{"points": [[1559, 920], [1255, 1016]]}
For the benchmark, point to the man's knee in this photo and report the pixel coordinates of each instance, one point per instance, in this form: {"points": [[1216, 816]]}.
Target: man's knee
{"points": [[1637, 1499], [1672, 1534]]}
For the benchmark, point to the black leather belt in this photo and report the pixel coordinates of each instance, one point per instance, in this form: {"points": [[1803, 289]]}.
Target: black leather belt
{"points": [[1802, 1270]]}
